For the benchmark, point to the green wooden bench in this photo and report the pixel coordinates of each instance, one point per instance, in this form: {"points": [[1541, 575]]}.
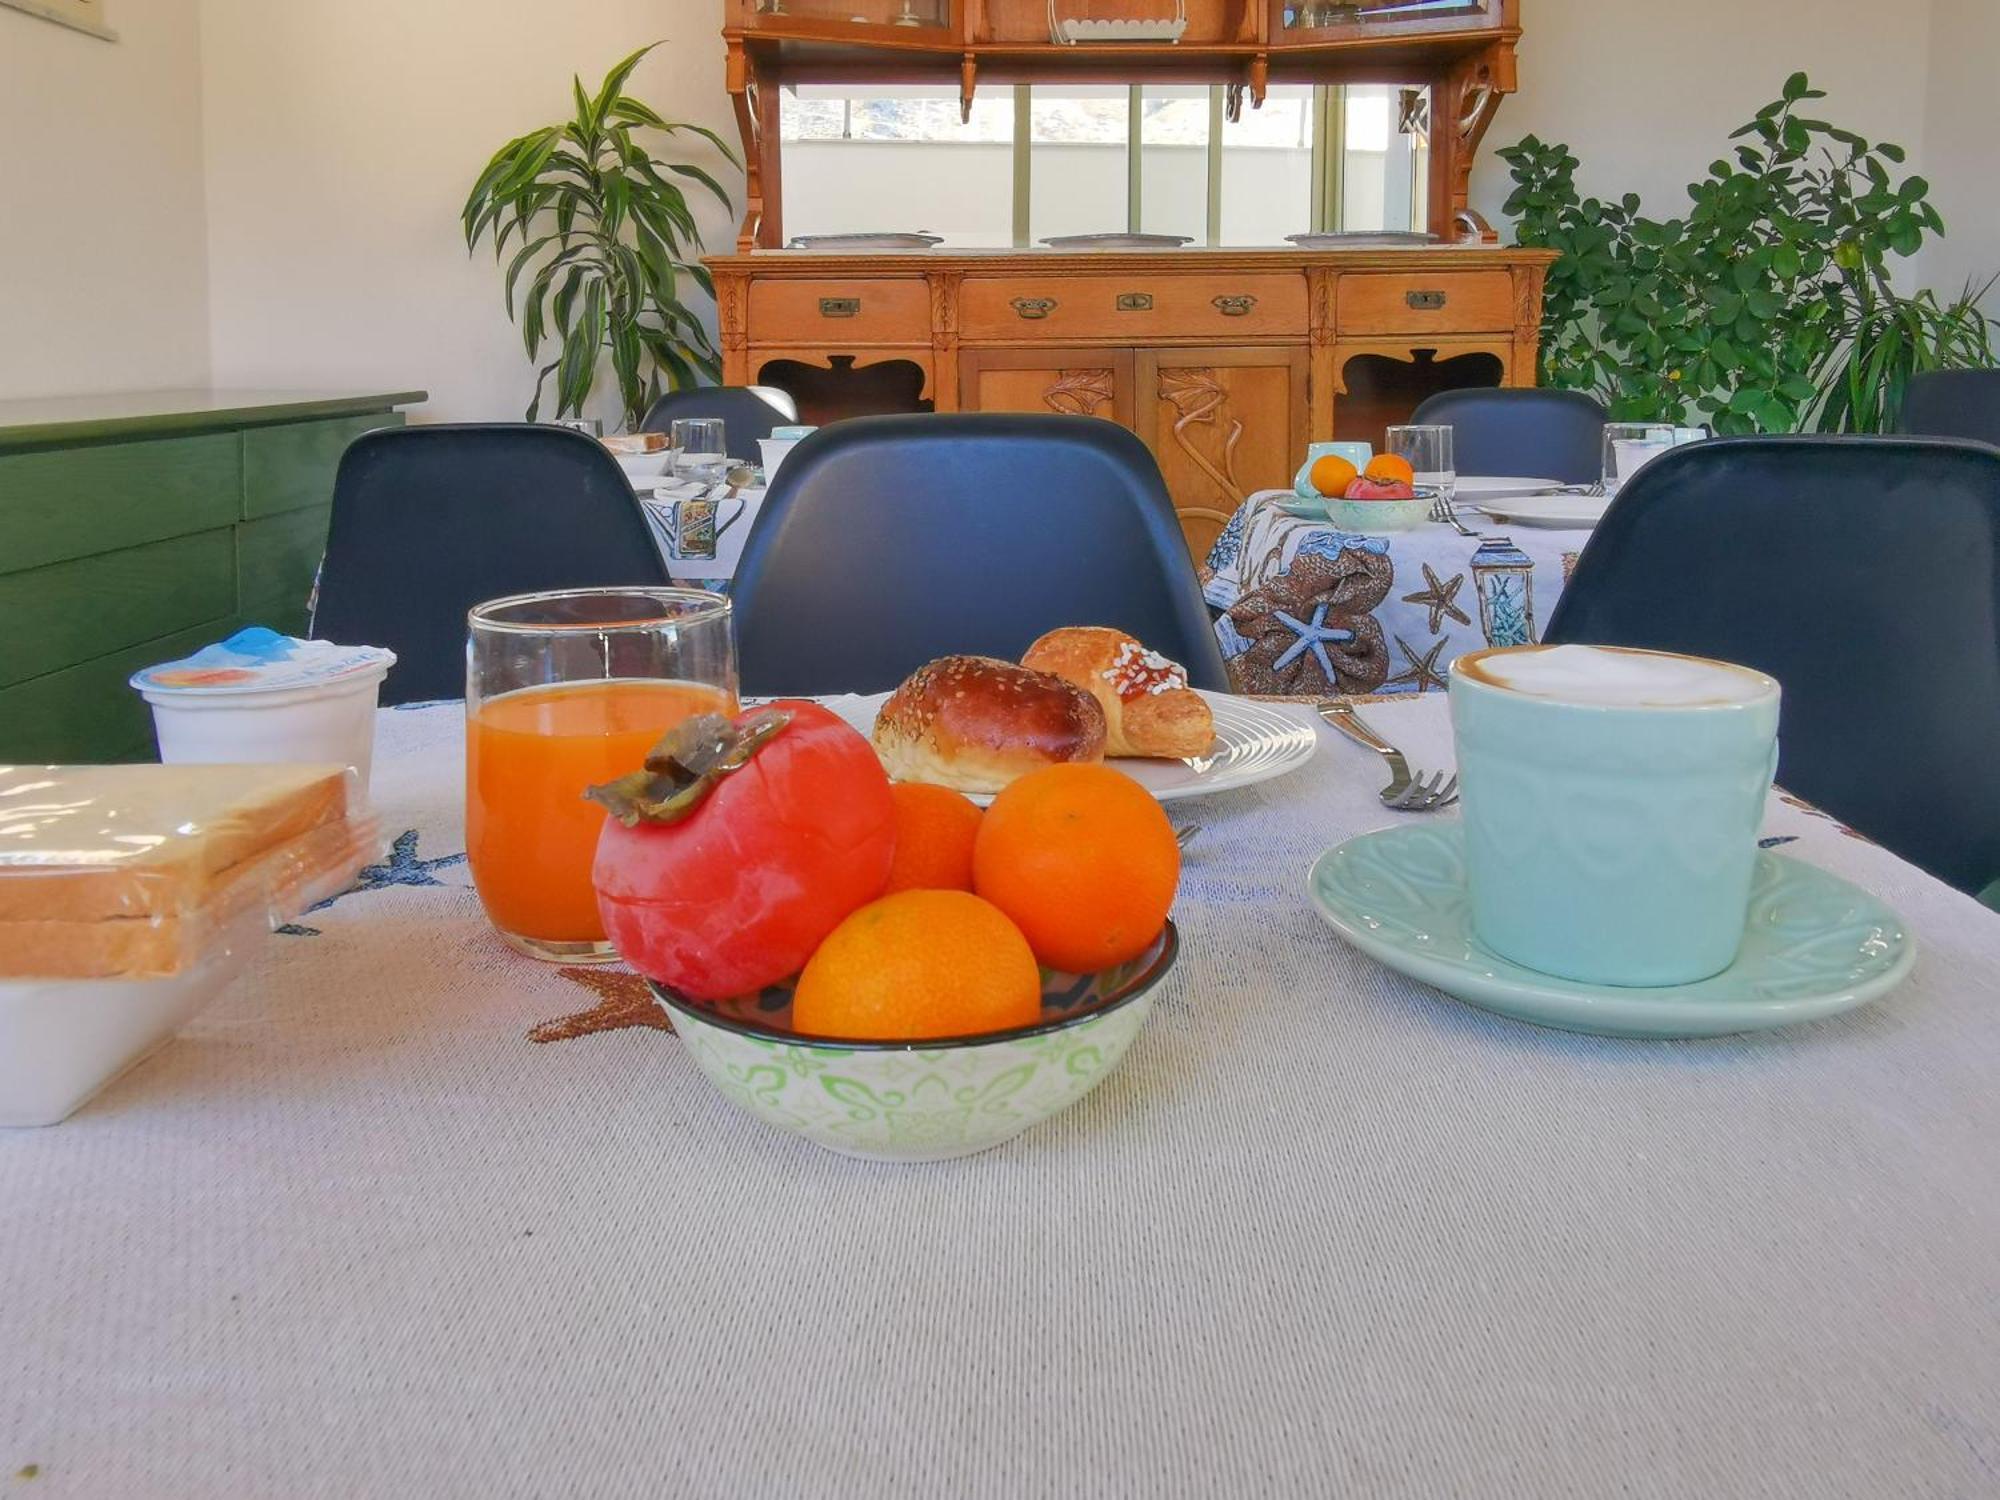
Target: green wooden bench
{"points": [[135, 528]]}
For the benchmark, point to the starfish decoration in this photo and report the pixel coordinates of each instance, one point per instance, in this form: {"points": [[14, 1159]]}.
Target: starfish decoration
{"points": [[401, 868], [623, 1001], [1423, 671], [1312, 636], [1440, 598]]}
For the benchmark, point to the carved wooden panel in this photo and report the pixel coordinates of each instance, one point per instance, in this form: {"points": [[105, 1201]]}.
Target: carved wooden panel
{"points": [[1070, 382], [1223, 423]]}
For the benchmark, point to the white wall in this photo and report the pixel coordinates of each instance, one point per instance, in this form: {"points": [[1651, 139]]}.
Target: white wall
{"points": [[342, 136], [1961, 139], [102, 230], [1646, 94]]}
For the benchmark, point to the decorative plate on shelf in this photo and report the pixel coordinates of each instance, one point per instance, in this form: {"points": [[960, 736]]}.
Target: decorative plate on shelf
{"points": [[1117, 241], [1362, 239], [898, 240]]}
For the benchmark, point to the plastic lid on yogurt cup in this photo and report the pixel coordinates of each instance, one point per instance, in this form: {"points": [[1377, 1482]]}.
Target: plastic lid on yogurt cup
{"points": [[257, 660]]}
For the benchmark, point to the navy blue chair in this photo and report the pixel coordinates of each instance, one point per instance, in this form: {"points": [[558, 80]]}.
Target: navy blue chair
{"points": [[748, 413], [887, 541], [1531, 434], [429, 521], [1953, 404], [1862, 573]]}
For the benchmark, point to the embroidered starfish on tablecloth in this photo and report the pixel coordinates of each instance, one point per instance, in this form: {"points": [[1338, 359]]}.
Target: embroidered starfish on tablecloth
{"points": [[624, 1002], [1440, 598], [1312, 636], [1423, 671], [401, 868]]}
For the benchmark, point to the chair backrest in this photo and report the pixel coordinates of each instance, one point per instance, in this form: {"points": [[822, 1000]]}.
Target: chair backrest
{"points": [[887, 541], [748, 413], [1529, 434], [1862, 573], [1953, 404], [429, 521]]}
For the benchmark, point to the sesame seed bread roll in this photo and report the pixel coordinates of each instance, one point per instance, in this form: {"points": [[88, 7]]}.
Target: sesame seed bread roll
{"points": [[1149, 709], [974, 723]]}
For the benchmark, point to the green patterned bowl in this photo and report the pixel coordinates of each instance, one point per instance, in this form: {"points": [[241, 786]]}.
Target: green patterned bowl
{"points": [[903, 1101]]}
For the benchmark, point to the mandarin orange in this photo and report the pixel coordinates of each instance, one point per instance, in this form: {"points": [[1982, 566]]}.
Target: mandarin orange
{"points": [[1085, 862], [935, 827], [1391, 466], [1331, 475], [918, 965]]}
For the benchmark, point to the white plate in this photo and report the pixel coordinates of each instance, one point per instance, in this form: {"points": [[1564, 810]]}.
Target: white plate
{"points": [[1568, 512], [1477, 489], [1253, 742]]}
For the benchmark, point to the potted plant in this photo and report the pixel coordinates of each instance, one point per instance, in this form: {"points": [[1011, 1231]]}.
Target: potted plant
{"points": [[1768, 306], [607, 245]]}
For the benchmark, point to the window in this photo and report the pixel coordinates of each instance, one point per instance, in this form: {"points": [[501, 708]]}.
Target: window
{"points": [[1042, 160]]}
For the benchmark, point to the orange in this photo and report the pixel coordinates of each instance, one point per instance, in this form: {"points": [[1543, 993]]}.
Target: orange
{"points": [[1331, 475], [935, 827], [1084, 860], [1391, 466], [917, 965]]}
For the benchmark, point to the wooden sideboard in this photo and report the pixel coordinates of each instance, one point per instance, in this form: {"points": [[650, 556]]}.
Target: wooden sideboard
{"points": [[143, 526], [1226, 362]]}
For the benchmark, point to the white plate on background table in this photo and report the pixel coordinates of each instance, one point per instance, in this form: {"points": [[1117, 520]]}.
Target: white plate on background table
{"points": [[1565, 512], [1253, 742], [1477, 489]]}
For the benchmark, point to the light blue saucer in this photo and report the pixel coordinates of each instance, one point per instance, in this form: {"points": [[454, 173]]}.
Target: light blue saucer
{"points": [[1815, 945]]}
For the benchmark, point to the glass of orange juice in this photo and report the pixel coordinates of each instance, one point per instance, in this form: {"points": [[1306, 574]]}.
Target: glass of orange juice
{"points": [[563, 691]]}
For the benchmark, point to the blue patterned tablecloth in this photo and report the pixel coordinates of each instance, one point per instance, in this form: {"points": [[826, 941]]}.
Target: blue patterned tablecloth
{"points": [[1309, 609]]}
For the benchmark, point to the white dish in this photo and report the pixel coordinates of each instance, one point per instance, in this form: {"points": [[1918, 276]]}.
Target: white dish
{"points": [[1119, 241], [1565, 512], [1362, 239], [1253, 742], [868, 240], [1477, 489], [638, 466]]}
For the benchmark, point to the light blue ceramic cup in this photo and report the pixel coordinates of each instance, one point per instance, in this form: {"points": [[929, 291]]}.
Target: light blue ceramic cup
{"points": [[1611, 845], [1357, 454]]}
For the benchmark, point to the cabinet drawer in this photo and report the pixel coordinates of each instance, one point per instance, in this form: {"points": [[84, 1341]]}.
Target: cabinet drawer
{"points": [[852, 311], [1425, 302], [1137, 308]]}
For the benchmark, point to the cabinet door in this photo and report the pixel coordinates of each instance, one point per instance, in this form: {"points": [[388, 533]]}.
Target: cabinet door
{"points": [[1075, 382], [1223, 423]]}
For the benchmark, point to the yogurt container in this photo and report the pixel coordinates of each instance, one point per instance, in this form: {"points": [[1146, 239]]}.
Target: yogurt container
{"points": [[264, 698]]}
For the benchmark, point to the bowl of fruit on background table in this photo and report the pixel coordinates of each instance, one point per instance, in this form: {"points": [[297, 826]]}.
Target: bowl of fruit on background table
{"points": [[1381, 496]]}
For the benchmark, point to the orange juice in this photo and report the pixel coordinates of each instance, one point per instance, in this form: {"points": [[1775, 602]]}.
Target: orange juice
{"points": [[529, 832]]}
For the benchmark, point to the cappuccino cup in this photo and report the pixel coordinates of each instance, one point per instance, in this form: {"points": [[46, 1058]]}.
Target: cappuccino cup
{"points": [[1612, 799]]}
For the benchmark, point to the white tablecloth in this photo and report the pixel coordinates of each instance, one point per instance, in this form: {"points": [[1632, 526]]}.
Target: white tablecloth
{"points": [[716, 572], [356, 1234]]}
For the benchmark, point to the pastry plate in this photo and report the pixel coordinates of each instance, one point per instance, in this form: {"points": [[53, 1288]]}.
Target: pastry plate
{"points": [[1477, 489], [1815, 945], [1570, 512], [1253, 742]]}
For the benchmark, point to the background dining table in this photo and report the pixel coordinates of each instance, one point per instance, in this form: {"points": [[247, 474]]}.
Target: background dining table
{"points": [[716, 573], [408, 1214], [1304, 607]]}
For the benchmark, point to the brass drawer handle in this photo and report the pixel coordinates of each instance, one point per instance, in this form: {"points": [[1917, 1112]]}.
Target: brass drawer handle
{"points": [[839, 307], [1234, 307], [1033, 307], [1424, 301], [1135, 301]]}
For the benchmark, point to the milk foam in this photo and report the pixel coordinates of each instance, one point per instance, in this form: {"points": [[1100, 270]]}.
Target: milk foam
{"points": [[1606, 677]]}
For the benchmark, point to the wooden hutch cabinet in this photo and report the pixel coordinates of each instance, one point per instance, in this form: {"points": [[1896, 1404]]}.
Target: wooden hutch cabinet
{"points": [[1225, 361]]}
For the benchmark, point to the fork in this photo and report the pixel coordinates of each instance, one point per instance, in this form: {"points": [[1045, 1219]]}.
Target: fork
{"points": [[1406, 791]]}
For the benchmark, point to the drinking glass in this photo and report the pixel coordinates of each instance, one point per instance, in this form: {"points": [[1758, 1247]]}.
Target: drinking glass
{"points": [[699, 455], [1429, 451], [588, 426], [1630, 446], [564, 691]]}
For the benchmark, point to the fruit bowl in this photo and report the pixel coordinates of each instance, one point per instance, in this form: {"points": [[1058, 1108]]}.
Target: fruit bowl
{"points": [[921, 1101], [1366, 516]]}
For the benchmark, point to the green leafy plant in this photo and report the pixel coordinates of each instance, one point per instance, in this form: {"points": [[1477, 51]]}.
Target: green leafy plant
{"points": [[1767, 307], [606, 242]]}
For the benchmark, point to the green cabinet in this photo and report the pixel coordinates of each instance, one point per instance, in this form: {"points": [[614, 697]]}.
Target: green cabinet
{"points": [[134, 529]]}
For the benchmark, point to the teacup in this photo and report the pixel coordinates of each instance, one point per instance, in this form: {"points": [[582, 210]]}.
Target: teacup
{"points": [[689, 528], [1357, 454], [1612, 800]]}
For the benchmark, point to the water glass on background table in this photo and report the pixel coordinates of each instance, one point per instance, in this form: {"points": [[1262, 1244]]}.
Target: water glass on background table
{"points": [[1429, 451], [1630, 446], [699, 452], [564, 691]]}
